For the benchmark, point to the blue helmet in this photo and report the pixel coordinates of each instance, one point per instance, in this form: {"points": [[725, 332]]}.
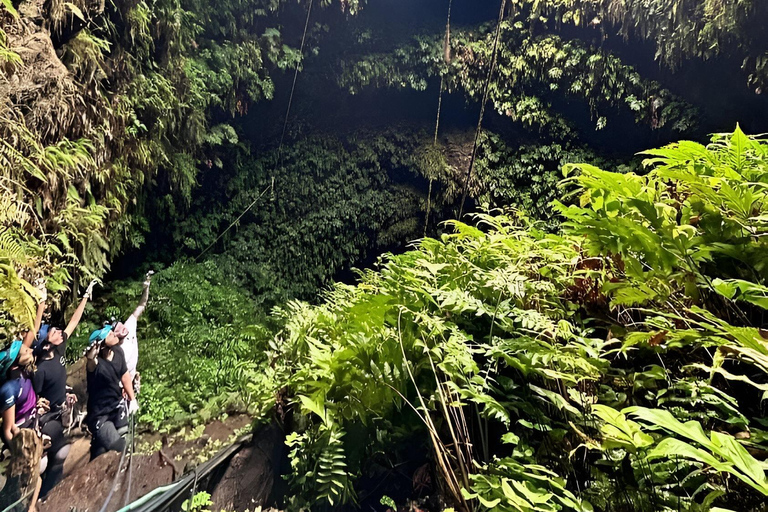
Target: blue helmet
{"points": [[99, 335], [8, 357]]}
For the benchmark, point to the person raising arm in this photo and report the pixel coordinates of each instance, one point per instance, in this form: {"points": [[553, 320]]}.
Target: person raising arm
{"points": [[126, 332]]}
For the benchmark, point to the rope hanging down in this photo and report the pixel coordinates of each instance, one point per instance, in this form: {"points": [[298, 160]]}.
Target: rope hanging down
{"points": [[279, 159], [447, 58], [482, 106]]}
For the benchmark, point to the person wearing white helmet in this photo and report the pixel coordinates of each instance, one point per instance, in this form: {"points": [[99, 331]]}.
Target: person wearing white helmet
{"points": [[126, 333]]}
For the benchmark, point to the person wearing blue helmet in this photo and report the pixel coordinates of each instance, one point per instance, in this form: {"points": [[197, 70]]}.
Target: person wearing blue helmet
{"points": [[17, 398], [107, 378], [18, 401]]}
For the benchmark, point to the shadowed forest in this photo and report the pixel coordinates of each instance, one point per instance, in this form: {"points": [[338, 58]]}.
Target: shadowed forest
{"points": [[456, 255]]}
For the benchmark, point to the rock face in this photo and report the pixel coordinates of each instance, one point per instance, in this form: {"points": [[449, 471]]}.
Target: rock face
{"points": [[248, 481], [50, 98]]}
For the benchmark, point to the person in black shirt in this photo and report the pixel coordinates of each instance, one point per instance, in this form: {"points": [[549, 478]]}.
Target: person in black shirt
{"points": [[50, 382], [107, 411]]}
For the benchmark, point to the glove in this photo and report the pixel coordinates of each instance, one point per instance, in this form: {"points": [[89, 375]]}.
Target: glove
{"points": [[89, 291], [133, 407], [148, 277]]}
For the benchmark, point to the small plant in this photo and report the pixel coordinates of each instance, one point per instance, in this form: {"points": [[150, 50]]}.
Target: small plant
{"points": [[200, 502]]}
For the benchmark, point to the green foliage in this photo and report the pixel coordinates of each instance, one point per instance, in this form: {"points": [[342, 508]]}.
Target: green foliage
{"points": [[505, 329], [331, 203], [201, 342], [527, 177], [698, 215], [200, 502], [532, 71], [680, 30], [119, 122]]}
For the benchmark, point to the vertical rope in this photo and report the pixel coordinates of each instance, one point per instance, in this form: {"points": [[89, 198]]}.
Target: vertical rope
{"points": [[279, 160], [482, 106], [447, 49], [293, 86]]}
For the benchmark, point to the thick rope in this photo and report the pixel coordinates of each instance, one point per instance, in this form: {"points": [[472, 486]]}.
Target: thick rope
{"points": [[279, 160], [482, 106]]}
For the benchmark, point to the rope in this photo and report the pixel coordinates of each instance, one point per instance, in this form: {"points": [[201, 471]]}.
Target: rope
{"points": [[293, 86], [132, 433], [114, 482], [447, 42], [279, 160], [482, 106], [17, 502]]}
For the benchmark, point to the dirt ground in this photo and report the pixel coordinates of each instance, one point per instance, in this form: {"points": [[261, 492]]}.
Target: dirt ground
{"points": [[86, 485]]}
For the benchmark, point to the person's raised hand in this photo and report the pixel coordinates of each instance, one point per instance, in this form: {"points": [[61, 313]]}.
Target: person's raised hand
{"points": [[92, 350], [148, 278], [41, 289], [89, 291]]}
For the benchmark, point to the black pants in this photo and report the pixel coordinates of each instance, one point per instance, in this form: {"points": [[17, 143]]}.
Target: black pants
{"points": [[57, 453], [104, 430]]}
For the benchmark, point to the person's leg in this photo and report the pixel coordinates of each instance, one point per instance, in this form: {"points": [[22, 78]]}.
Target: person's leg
{"points": [[109, 438], [94, 425], [57, 455]]}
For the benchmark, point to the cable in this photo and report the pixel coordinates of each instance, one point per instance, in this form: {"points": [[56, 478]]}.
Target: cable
{"points": [[482, 106], [446, 43], [279, 160], [132, 433], [17, 502], [114, 482], [293, 86]]}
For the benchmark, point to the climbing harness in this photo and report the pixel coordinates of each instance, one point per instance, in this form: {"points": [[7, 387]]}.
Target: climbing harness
{"points": [[482, 106], [279, 159]]}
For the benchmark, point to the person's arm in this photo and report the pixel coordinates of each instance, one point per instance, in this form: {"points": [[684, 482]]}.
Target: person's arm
{"points": [[9, 424], [128, 386], [75, 320], [29, 337], [90, 355], [31, 334], [144, 296]]}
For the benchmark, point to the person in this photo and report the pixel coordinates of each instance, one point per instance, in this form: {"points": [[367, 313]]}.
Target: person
{"points": [[50, 383], [126, 332], [18, 401], [19, 407], [107, 411]]}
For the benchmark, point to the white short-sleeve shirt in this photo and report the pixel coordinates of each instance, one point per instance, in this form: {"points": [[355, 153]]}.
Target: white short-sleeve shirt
{"points": [[131, 345]]}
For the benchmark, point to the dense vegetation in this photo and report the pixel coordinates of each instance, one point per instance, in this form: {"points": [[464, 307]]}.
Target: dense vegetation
{"points": [[616, 365], [589, 341]]}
